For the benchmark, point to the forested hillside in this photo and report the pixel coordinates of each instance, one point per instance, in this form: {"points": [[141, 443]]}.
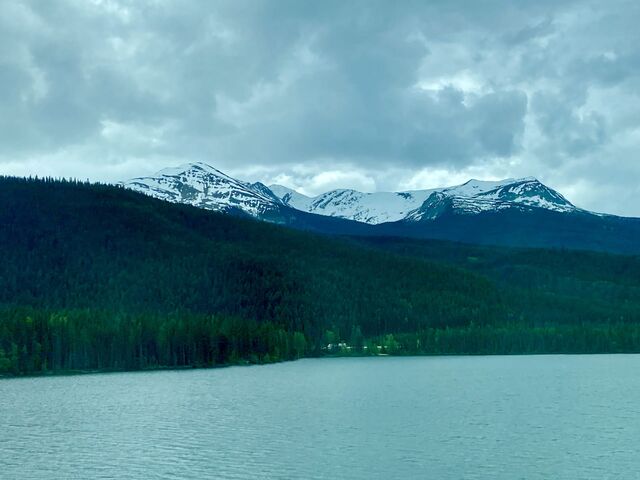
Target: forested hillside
{"points": [[543, 285], [99, 277]]}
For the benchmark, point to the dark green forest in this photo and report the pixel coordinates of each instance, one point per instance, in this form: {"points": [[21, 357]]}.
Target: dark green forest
{"points": [[96, 277]]}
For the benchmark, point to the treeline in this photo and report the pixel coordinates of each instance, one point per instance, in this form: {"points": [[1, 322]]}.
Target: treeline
{"points": [[37, 340], [99, 277], [507, 339]]}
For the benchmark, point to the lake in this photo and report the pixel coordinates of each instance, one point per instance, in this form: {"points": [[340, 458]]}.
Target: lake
{"points": [[502, 417]]}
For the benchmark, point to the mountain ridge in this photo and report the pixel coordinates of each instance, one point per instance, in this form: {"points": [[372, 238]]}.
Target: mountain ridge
{"points": [[470, 197], [202, 185], [514, 212]]}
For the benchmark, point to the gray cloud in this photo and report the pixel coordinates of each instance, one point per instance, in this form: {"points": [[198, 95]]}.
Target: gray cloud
{"points": [[381, 94]]}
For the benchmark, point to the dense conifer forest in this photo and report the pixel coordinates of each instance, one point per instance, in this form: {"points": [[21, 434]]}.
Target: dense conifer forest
{"points": [[96, 277]]}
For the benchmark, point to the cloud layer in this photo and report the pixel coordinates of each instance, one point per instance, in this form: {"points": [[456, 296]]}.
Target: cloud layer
{"points": [[376, 95]]}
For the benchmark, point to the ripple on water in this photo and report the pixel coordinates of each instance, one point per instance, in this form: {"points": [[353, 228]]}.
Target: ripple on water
{"points": [[563, 417]]}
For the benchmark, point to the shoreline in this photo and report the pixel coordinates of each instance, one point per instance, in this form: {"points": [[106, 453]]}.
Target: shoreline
{"points": [[69, 373]]}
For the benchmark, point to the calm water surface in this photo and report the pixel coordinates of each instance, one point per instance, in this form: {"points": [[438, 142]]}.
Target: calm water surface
{"points": [[529, 417]]}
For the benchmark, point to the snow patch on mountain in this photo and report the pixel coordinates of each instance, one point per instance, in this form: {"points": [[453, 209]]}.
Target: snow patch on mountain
{"points": [[353, 205]]}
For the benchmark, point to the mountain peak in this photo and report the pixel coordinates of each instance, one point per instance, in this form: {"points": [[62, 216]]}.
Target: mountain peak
{"points": [[474, 185], [191, 167], [204, 186], [476, 196]]}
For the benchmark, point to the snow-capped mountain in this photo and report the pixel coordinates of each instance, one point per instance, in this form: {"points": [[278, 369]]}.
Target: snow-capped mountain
{"points": [[515, 212], [472, 197], [477, 196], [203, 186]]}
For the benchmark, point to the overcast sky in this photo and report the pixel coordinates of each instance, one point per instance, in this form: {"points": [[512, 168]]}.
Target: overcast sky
{"points": [[373, 95]]}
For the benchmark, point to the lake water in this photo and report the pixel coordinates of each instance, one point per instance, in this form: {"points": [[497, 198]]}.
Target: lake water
{"points": [[529, 417]]}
